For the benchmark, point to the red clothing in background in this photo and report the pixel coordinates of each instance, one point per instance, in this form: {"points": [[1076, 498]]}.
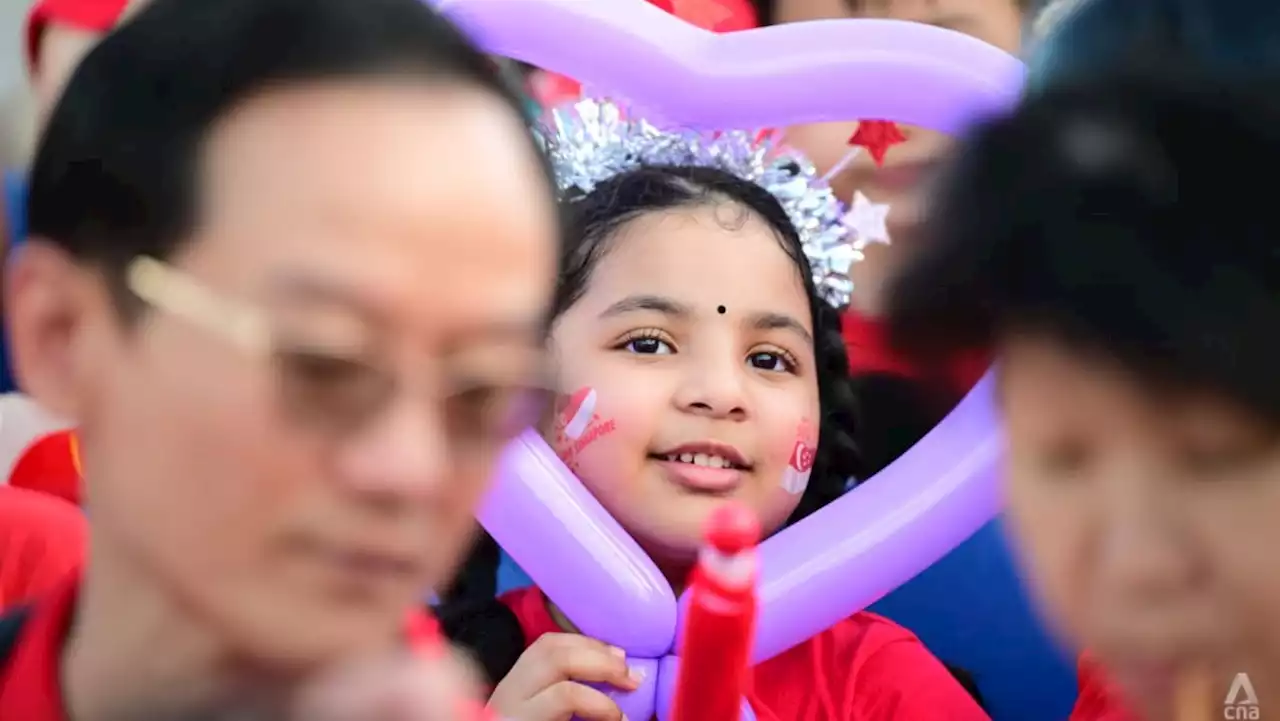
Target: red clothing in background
{"points": [[99, 15], [865, 668], [50, 465], [1098, 700], [42, 542], [869, 352]]}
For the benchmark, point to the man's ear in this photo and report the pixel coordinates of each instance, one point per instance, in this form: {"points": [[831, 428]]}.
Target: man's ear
{"points": [[53, 308]]}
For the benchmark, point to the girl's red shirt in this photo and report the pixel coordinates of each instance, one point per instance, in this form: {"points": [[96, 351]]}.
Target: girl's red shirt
{"points": [[865, 668]]}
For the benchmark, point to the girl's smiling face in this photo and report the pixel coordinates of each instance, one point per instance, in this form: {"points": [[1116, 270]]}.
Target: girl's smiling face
{"points": [[691, 354]]}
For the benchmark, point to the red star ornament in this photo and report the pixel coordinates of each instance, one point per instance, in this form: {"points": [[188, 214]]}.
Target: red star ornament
{"points": [[877, 136]]}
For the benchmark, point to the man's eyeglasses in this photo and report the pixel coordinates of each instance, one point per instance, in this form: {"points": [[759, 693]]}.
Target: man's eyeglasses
{"points": [[331, 392]]}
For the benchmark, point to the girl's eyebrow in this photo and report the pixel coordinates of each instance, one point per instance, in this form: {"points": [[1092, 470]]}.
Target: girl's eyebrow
{"points": [[652, 303], [779, 321]]}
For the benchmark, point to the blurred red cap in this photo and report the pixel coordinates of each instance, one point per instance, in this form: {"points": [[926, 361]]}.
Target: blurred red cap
{"points": [[95, 15]]}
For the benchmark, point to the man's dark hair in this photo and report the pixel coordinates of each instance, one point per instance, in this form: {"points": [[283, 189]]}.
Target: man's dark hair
{"points": [[117, 171], [1118, 217]]}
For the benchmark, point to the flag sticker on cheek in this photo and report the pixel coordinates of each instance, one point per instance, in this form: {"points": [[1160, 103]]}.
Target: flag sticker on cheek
{"points": [[796, 477], [577, 411], [579, 425]]}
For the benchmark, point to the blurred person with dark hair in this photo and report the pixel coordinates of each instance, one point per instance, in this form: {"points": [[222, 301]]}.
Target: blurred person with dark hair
{"points": [[1097, 241], [1080, 39], [287, 271], [1074, 40]]}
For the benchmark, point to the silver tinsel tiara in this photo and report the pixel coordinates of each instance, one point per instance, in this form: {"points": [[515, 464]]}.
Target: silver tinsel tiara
{"points": [[594, 140]]}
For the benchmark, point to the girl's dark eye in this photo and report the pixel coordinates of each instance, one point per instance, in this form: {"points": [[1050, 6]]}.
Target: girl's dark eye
{"points": [[649, 346], [770, 361]]}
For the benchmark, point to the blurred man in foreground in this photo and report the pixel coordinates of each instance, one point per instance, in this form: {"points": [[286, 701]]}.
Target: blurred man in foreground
{"points": [[291, 293]]}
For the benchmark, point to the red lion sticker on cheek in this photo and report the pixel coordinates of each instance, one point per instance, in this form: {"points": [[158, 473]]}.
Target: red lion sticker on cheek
{"points": [[796, 477], [578, 425]]}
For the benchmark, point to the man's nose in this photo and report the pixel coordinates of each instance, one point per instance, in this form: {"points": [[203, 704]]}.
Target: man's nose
{"points": [[404, 453], [1144, 552]]}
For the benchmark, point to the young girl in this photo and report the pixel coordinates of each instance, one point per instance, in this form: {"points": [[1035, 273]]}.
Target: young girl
{"points": [[688, 310], [1127, 274]]}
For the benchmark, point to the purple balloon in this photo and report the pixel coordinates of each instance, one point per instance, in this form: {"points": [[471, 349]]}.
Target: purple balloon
{"points": [[638, 704], [880, 535], [768, 77], [581, 558], [843, 558]]}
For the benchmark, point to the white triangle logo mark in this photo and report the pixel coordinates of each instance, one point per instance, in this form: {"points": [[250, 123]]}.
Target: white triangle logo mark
{"points": [[1241, 686]]}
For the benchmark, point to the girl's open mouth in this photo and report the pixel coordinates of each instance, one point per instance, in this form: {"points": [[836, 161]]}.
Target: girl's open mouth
{"points": [[700, 472]]}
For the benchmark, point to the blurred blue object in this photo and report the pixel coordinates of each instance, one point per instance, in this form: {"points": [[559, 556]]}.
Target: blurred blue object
{"points": [[971, 611], [15, 208], [15, 204], [511, 576]]}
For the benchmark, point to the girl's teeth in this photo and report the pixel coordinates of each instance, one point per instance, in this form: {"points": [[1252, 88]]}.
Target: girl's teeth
{"points": [[701, 459]]}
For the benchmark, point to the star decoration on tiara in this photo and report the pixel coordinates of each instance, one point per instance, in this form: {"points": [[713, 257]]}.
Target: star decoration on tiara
{"points": [[868, 221], [594, 140]]}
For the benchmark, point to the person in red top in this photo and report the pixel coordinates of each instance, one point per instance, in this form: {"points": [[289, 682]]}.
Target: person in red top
{"points": [[700, 364], [1127, 277], [243, 286], [42, 543], [58, 34]]}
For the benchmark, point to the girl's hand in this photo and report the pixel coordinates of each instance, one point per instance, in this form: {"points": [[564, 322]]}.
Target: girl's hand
{"points": [[549, 681]]}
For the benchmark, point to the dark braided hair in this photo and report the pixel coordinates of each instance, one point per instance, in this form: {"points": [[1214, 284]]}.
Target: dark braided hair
{"points": [[470, 615]]}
